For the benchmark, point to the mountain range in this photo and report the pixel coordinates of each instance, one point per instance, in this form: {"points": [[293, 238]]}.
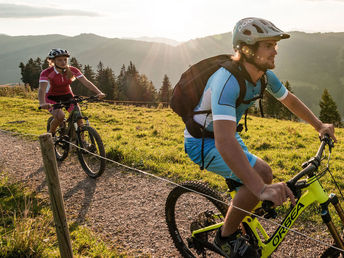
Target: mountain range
{"points": [[310, 62]]}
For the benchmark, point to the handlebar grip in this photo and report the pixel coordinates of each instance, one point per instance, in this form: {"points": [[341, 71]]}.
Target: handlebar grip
{"points": [[267, 205], [39, 107]]}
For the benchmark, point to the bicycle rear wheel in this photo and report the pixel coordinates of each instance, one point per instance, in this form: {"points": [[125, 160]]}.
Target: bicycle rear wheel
{"points": [[191, 206], [61, 146], [90, 156]]}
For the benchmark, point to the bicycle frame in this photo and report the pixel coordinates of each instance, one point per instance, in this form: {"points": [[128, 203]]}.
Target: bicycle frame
{"points": [[72, 120], [312, 192]]}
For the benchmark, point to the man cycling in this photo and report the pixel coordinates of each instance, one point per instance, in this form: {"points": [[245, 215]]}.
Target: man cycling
{"points": [[254, 42], [54, 85]]}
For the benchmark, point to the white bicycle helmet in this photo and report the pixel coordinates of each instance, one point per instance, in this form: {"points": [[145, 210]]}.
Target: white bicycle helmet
{"points": [[55, 52], [251, 30]]}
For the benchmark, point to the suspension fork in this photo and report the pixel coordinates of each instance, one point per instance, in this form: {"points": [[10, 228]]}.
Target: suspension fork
{"points": [[334, 200], [326, 217]]}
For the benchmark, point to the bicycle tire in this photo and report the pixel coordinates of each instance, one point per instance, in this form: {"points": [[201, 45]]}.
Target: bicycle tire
{"points": [[61, 147], [201, 189], [331, 253], [93, 165]]}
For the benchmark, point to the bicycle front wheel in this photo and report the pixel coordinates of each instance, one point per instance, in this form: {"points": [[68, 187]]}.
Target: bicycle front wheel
{"points": [[92, 151], [189, 207], [332, 252], [61, 146]]}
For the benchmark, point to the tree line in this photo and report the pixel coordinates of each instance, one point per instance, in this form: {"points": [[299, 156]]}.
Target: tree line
{"points": [[130, 85], [328, 108]]}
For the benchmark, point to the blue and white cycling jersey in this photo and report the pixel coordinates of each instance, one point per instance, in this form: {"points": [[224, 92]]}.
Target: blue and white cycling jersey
{"points": [[221, 93], [220, 96]]}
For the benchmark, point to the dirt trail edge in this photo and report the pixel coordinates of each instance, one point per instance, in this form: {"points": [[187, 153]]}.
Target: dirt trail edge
{"points": [[121, 206]]}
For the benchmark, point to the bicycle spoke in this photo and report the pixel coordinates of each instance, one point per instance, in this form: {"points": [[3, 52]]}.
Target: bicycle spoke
{"points": [[92, 148], [61, 146], [190, 215], [187, 212], [90, 156]]}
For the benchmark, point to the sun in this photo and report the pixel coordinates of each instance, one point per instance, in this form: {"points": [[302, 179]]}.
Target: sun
{"points": [[170, 19]]}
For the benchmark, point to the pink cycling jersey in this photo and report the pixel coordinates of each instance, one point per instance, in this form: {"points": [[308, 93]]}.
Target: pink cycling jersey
{"points": [[58, 84]]}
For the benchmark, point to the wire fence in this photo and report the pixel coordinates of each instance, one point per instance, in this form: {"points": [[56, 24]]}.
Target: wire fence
{"points": [[191, 190]]}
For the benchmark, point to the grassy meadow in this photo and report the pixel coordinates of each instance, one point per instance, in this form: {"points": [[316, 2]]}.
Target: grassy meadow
{"points": [[151, 139], [26, 228]]}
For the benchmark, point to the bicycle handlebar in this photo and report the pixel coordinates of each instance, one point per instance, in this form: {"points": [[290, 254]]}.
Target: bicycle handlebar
{"points": [[74, 100], [312, 164], [308, 168]]}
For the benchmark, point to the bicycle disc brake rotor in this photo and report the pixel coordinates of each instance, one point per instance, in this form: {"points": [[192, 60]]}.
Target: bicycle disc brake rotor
{"points": [[204, 219]]}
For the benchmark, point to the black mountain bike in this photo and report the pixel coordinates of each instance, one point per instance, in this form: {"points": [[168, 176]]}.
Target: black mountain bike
{"points": [[91, 151]]}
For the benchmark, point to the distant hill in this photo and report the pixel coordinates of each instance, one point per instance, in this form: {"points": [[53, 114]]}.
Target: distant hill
{"points": [[157, 40], [310, 62]]}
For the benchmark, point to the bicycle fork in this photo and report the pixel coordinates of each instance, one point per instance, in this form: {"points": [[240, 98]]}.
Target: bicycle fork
{"points": [[325, 215]]}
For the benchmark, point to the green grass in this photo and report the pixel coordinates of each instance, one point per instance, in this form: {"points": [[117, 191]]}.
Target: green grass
{"points": [[18, 91], [152, 139], [27, 228]]}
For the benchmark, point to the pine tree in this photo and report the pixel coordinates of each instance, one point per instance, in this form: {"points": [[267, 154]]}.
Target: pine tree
{"points": [[77, 86], [165, 91], [134, 91], [285, 113], [91, 76], [149, 92], [271, 105], [328, 110], [122, 86], [274, 108], [45, 64], [30, 72], [107, 82]]}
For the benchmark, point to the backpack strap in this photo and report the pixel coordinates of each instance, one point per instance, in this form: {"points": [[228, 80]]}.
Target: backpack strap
{"points": [[233, 68], [264, 82]]}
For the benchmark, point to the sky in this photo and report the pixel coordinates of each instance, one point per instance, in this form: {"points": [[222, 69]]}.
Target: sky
{"points": [[180, 20]]}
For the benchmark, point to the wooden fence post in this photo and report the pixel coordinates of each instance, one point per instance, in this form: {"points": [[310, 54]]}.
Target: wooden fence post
{"points": [[56, 199]]}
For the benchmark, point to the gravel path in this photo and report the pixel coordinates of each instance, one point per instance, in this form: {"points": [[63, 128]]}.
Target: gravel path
{"points": [[122, 206]]}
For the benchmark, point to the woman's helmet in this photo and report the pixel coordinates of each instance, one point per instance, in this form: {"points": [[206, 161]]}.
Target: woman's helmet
{"points": [[251, 30], [55, 52]]}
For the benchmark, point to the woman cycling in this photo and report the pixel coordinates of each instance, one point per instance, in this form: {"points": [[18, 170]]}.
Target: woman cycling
{"points": [[54, 85]]}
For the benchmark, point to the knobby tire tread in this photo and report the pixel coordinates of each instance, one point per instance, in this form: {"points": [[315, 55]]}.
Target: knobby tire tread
{"points": [[96, 136], [64, 155], [170, 210]]}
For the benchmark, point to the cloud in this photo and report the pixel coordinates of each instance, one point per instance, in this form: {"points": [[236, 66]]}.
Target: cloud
{"points": [[25, 11]]}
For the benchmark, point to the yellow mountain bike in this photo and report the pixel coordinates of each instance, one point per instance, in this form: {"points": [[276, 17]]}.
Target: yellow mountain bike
{"points": [[194, 212]]}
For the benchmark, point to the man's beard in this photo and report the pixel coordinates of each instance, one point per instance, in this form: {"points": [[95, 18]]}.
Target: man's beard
{"points": [[264, 65]]}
